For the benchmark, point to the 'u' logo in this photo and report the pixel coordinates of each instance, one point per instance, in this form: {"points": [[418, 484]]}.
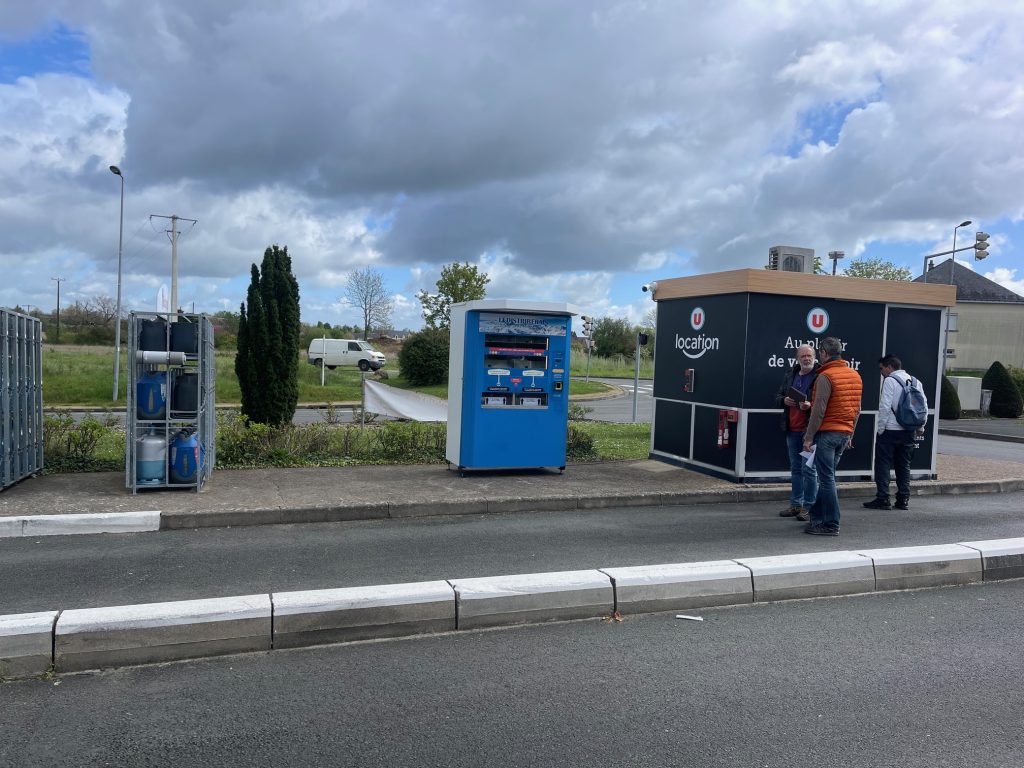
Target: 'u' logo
{"points": [[697, 318], [817, 320]]}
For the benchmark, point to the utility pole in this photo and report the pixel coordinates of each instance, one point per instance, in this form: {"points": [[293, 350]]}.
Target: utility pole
{"points": [[174, 258], [59, 281]]}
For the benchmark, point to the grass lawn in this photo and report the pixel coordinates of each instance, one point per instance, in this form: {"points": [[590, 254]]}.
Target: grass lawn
{"points": [[618, 442], [83, 376]]}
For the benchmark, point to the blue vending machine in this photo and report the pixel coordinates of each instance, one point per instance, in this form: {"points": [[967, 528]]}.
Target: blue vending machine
{"points": [[508, 384]]}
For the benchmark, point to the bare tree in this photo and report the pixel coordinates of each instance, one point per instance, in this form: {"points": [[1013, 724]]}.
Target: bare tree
{"points": [[98, 311], [366, 292]]}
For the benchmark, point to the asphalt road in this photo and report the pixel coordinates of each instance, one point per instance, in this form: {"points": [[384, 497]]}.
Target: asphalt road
{"points": [[60, 572], [920, 679], [620, 409], [981, 449]]}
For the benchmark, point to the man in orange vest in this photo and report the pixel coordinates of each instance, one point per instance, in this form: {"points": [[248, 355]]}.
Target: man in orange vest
{"points": [[835, 408]]}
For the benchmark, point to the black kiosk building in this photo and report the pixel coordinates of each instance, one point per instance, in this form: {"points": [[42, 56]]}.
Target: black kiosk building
{"points": [[726, 339]]}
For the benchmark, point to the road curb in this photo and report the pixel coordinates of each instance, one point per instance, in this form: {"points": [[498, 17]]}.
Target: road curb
{"points": [[980, 435], [34, 644], [136, 522], [91, 522]]}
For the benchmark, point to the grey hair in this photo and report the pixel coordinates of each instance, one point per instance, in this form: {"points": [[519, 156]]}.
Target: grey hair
{"points": [[832, 346]]}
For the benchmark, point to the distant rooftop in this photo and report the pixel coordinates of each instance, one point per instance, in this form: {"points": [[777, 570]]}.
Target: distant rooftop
{"points": [[970, 286]]}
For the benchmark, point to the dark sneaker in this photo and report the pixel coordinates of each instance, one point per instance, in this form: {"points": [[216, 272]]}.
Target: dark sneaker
{"points": [[817, 529], [804, 515], [877, 504], [790, 512], [901, 504]]}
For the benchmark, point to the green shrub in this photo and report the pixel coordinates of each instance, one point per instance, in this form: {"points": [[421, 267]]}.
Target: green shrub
{"points": [[579, 412], [241, 443], [579, 445], [949, 401], [1006, 398], [410, 442], [70, 446], [424, 357], [1017, 374]]}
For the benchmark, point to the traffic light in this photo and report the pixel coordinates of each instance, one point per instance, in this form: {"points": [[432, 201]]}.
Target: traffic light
{"points": [[588, 324], [980, 246], [642, 339]]}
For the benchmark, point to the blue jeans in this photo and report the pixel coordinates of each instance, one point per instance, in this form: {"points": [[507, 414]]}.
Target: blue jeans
{"points": [[803, 479], [826, 505]]}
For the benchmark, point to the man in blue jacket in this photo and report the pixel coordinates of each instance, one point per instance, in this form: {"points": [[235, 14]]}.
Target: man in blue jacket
{"points": [[803, 478]]}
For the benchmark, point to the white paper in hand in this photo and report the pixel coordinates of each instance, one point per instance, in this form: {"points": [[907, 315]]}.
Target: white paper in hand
{"points": [[809, 455]]}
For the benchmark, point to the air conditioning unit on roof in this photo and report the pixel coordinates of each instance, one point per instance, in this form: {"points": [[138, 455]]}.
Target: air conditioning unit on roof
{"points": [[789, 258]]}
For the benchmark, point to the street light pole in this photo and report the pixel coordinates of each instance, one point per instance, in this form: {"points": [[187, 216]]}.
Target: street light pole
{"points": [[117, 312], [835, 256], [952, 267]]}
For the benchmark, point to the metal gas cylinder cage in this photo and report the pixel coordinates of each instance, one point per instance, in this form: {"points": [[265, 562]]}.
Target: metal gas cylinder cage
{"points": [[171, 390], [21, 396]]}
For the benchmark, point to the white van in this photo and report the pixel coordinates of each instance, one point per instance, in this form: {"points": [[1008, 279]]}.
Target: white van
{"points": [[345, 352]]}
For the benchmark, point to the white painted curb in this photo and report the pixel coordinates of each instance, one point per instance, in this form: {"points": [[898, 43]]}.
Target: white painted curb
{"points": [[93, 638], [675, 586], [928, 566], [1001, 558], [361, 613], [816, 574], [136, 634], [26, 643], [65, 525], [532, 597]]}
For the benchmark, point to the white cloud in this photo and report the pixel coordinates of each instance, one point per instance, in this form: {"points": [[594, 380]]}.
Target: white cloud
{"points": [[1007, 278], [571, 144]]}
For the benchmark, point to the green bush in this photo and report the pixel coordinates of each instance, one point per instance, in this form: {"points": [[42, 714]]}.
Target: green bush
{"points": [[70, 446], [424, 357], [579, 445], [241, 443], [410, 442], [579, 412], [1006, 398], [949, 401], [1017, 374]]}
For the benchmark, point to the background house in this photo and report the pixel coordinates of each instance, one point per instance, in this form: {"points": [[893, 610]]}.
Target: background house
{"points": [[990, 319]]}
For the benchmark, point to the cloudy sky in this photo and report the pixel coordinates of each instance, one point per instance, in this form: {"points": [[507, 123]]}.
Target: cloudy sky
{"points": [[573, 150]]}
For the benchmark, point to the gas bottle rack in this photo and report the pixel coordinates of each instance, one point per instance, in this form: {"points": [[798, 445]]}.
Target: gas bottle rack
{"points": [[170, 422]]}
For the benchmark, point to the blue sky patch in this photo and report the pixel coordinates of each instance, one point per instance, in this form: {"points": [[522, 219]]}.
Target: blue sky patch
{"points": [[56, 50], [821, 124]]}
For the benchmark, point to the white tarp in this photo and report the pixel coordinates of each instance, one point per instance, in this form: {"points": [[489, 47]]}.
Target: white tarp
{"points": [[403, 404]]}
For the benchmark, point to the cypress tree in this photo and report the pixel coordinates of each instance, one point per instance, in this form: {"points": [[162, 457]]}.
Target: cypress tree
{"points": [[275, 362], [267, 358], [243, 366], [291, 329]]}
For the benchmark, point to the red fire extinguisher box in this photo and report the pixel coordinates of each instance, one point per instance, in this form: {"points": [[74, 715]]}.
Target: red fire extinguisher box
{"points": [[726, 340]]}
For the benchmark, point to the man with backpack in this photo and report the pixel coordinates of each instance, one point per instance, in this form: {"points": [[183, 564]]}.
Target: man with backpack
{"points": [[902, 415]]}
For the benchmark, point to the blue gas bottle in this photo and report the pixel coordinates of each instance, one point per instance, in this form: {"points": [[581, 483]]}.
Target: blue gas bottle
{"points": [[151, 395], [187, 457]]}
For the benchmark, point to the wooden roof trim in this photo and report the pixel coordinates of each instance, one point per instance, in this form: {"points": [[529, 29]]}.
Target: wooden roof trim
{"points": [[813, 286]]}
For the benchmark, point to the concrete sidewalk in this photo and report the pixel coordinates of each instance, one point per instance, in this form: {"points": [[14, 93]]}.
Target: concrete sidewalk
{"points": [[270, 496]]}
